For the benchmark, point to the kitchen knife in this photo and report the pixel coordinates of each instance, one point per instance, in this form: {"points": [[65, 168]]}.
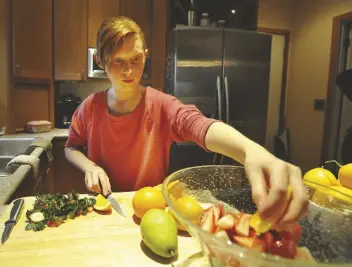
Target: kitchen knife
{"points": [[115, 204], [15, 214]]}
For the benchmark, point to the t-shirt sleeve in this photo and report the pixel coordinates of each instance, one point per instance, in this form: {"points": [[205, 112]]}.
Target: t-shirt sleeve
{"points": [[78, 130], [186, 122]]}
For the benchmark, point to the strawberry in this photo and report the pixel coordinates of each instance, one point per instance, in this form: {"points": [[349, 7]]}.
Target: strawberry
{"points": [[208, 223], [222, 235], [250, 242], [284, 248], [227, 221], [242, 225]]}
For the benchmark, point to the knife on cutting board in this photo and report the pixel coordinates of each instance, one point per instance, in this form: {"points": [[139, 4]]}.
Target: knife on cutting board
{"points": [[115, 204], [15, 214]]}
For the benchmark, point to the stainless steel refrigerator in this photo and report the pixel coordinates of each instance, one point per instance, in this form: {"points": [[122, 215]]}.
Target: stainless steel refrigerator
{"points": [[225, 73]]}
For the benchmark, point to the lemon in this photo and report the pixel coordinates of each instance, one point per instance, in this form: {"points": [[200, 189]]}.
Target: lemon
{"points": [[102, 204], [320, 176], [345, 175], [324, 196], [259, 225], [189, 208]]}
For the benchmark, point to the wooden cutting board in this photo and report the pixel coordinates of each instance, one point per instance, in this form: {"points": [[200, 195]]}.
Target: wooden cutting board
{"points": [[91, 240]]}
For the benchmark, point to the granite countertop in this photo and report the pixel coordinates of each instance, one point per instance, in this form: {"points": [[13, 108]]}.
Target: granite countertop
{"points": [[9, 185]]}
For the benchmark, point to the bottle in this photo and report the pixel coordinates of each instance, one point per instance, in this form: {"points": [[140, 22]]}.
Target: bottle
{"points": [[192, 14]]}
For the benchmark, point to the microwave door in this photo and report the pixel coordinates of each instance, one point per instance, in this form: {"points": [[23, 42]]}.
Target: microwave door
{"points": [[94, 71]]}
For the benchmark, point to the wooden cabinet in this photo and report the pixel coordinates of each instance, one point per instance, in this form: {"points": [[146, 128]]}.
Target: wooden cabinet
{"points": [[98, 11], [32, 38], [70, 39], [66, 176]]}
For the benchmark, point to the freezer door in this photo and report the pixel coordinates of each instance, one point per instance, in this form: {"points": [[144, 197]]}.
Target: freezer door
{"points": [[246, 82], [194, 65]]}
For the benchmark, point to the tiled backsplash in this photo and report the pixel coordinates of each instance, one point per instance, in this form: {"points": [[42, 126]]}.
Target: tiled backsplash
{"points": [[80, 89]]}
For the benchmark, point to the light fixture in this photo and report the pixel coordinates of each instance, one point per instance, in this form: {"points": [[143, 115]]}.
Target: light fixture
{"points": [[233, 11]]}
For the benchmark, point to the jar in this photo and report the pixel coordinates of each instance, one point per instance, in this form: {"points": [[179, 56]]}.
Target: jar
{"points": [[205, 21]]}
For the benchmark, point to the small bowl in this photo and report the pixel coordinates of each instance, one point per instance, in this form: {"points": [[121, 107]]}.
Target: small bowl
{"points": [[326, 228]]}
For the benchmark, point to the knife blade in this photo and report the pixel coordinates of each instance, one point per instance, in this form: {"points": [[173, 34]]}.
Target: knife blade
{"points": [[15, 214], [115, 204]]}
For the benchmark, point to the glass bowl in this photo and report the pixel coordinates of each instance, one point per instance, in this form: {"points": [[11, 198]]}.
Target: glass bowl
{"points": [[326, 228]]}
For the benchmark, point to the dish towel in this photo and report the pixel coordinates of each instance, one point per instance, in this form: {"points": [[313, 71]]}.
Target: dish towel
{"points": [[26, 160], [46, 145]]}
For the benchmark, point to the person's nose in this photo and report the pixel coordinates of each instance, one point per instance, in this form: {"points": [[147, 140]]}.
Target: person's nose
{"points": [[128, 69]]}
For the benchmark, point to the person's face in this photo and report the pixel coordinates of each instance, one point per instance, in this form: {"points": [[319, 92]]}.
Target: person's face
{"points": [[126, 65]]}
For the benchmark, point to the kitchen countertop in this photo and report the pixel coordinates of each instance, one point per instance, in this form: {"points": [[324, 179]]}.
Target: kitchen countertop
{"points": [[9, 185], [55, 132], [93, 240]]}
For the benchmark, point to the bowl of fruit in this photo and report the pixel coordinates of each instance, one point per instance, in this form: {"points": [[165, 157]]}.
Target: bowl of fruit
{"points": [[214, 205]]}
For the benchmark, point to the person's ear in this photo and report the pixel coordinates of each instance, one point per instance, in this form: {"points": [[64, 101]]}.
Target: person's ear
{"points": [[146, 53]]}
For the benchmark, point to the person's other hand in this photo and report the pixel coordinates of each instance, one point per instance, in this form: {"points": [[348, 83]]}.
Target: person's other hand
{"points": [[270, 177], [97, 181]]}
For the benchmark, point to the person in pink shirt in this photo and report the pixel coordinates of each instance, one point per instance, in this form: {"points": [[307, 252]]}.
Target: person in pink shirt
{"points": [[129, 129]]}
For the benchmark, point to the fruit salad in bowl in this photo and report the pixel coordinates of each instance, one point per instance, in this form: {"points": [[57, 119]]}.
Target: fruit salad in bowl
{"points": [[231, 233]]}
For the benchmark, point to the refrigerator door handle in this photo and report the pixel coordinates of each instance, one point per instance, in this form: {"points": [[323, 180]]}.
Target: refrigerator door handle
{"points": [[227, 99], [218, 88]]}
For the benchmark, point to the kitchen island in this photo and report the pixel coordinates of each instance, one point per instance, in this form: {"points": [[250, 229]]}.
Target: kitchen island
{"points": [[91, 240]]}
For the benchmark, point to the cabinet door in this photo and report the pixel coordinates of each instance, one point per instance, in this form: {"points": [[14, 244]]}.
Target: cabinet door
{"points": [[32, 38], [98, 11], [70, 39], [66, 176], [141, 13]]}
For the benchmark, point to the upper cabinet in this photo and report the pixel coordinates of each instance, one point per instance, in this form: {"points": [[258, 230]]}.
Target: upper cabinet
{"points": [[98, 11], [70, 39], [32, 39], [141, 13]]}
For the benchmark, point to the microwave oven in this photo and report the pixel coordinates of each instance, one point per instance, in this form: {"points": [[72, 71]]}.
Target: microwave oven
{"points": [[94, 71]]}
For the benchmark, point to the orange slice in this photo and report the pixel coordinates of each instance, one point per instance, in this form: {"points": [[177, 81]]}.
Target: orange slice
{"points": [[102, 204]]}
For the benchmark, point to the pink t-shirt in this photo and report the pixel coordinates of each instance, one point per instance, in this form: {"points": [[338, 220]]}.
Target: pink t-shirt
{"points": [[134, 149]]}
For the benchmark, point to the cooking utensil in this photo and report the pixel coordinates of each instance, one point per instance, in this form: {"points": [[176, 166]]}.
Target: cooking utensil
{"points": [[326, 229], [115, 204], [15, 214]]}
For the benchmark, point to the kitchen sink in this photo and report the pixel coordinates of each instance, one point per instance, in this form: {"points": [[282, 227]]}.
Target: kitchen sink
{"points": [[14, 146], [9, 149], [3, 162]]}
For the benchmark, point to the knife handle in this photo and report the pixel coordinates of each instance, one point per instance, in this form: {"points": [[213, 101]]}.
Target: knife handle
{"points": [[16, 211]]}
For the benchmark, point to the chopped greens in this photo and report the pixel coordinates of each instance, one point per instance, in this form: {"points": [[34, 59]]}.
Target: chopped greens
{"points": [[54, 209]]}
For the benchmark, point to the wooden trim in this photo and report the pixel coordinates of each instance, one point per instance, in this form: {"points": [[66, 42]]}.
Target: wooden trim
{"points": [[334, 55], [9, 121], [287, 35], [159, 44]]}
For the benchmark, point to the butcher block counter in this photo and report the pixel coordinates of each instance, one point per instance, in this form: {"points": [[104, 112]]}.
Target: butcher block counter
{"points": [[91, 240]]}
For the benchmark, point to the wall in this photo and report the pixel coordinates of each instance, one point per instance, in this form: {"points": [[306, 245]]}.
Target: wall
{"points": [[3, 68], [275, 14], [310, 23], [309, 70]]}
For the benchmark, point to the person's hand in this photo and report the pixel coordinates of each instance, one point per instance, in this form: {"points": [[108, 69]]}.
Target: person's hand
{"points": [[97, 181], [270, 177]]}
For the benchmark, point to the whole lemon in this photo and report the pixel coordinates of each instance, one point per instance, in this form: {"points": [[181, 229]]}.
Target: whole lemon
{"points": [[345, 175], [189, 208], [320, 176], [147, 198]]}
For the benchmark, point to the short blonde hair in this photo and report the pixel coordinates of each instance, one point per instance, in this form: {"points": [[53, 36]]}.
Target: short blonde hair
{"points": [[112, 34]]}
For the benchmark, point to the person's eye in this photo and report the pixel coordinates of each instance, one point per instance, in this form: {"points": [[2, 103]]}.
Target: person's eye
{"points": [[136, 59], [117, 61]]}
